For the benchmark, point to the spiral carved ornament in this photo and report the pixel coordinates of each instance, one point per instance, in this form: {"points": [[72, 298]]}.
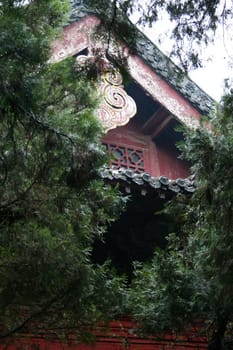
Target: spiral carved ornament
{"points": [[117, 107]]}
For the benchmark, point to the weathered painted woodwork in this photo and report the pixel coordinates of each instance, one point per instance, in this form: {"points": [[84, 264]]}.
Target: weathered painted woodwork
{"points": [[77, 37], [140, 144]]}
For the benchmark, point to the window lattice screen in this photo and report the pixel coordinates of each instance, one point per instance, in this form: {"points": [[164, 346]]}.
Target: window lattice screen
{"points": [[126, 157]]}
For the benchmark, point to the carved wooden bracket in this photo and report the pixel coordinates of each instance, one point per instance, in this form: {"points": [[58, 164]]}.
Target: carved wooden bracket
{"points": [[116, 107]]}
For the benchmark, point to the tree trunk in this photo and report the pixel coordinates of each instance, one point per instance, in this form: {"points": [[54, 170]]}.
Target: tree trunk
{"points": [[217, 339]]}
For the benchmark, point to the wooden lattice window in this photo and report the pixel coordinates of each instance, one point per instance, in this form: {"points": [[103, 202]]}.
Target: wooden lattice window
{"points": [[126, 157]]}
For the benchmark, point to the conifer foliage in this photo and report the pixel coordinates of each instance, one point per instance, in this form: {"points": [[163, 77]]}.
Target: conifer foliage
{"points": [[191, 280], [52, 201]]}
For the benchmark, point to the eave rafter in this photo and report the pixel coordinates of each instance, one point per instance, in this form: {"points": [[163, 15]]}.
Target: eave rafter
{"points": [[157, 123]]}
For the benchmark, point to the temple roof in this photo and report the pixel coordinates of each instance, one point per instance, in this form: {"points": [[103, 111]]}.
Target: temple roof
{"points": [[158, 62]]}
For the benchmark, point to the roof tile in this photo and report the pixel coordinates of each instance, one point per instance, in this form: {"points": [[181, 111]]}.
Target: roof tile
{"points": [[144, 180]]}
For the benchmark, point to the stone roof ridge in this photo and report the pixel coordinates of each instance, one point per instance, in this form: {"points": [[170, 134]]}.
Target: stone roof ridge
{"points": [[145, 180], [158, 61]]}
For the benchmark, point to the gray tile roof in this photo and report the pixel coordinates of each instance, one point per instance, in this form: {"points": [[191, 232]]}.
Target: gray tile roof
{"points": [[147, 183], [160, 63]]}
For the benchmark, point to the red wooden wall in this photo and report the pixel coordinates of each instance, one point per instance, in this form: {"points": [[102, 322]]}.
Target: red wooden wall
{"points": [[160, 159], [119, 337]]}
